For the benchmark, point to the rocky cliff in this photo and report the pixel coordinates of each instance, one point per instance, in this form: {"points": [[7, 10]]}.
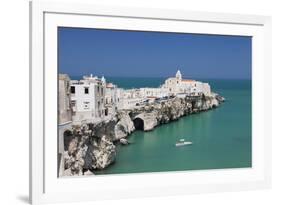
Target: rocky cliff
{"points": [[91, 146], [86, 152], [148, 117]]}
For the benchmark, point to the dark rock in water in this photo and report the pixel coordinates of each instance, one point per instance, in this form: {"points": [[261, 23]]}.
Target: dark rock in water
{"points": [[219, 98]]}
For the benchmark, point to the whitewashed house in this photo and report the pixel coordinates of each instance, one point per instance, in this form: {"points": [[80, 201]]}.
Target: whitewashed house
{"points": [[87, 99]]}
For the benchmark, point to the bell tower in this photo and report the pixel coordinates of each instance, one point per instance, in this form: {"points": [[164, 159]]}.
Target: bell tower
{"points": [[178, 75]]}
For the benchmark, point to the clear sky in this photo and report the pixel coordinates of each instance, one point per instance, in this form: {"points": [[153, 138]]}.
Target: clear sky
{"points": [[153, 54]]}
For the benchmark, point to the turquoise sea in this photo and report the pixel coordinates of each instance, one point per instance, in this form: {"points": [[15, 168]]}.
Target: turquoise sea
{"points": [[221, 137]]}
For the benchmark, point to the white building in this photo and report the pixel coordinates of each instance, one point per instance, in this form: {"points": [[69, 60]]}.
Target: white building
{"points": [[111, 99], [92, 99], [131, 98], [173, 86], [177, 85], [87, 99], [120, 97], [64, 117], [154, 92], [137, 97]]}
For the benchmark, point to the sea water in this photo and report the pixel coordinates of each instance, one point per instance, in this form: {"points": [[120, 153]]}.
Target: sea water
{"points": [[221, 137]]}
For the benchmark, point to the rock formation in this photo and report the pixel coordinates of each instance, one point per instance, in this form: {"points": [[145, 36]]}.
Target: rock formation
{"points": [[124, 126], [87, 152], [91, 146], [148, 117]]}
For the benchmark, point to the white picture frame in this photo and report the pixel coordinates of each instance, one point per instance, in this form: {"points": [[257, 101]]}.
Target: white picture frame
{"points": [[46, 187]]}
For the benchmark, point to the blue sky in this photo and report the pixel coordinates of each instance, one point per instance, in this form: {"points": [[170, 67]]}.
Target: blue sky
{"points": [[153, 54]]}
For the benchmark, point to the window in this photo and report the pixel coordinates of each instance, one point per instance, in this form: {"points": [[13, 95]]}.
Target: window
{"points": [[73, 106], [72, 89], [86, 90], [73, 103], [86, 105]]}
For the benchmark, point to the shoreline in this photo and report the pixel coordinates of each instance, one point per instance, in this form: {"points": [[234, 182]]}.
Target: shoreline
{"points": [[92, 146]]}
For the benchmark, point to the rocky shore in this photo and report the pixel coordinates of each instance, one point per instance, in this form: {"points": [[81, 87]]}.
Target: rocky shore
{"points": [[91, 147]]}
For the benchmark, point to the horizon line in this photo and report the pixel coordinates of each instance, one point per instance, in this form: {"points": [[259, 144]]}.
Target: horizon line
{"points": [[108, 76]]}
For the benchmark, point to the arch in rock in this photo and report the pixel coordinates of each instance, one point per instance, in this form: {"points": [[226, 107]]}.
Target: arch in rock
{"points": [[139, 123]]}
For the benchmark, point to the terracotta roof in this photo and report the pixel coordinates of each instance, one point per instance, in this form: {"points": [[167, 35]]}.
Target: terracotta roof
{"points": [[187, 80], [109, 85]]}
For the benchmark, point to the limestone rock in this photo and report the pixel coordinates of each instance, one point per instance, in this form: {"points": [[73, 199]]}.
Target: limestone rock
{"points": [[124, 141], [159, 113], [88, 173], [86, 153], [150, 121], [105, 153], [104, 128], [90, 146], [124, 127]]}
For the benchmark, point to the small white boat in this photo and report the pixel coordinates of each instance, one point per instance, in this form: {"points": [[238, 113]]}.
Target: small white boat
{"points": [[182, 142]]}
